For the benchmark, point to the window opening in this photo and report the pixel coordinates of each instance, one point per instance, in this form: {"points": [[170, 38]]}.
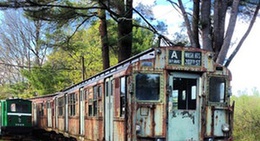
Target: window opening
{"points": [[217, 88], [99, 92], [95, 103], [60, 105], [99, 107], [106, 88], [184, 93], [72, 104], [13, 107], [82, 94], [41, 111], [86, 94], [122, 96], [147, 86], [19, 107], [90, 109]]}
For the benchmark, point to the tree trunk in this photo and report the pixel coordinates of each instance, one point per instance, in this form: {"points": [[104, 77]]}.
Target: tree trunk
{"points": [[230, 30], [220, 9], [206, 25], [104, 38], [125, 30], [195, 22]]}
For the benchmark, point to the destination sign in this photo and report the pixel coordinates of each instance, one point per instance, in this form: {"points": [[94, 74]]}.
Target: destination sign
{"points": [[192, 58], [188, 58]]}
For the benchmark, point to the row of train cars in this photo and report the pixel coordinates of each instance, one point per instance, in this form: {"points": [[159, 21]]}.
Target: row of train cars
{"points": [[161, 94]]}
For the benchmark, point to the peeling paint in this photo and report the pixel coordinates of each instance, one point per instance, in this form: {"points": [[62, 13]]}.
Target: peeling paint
{"points": [[186, 114]]}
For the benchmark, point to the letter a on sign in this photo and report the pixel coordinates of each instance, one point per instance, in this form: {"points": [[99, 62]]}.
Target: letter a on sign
{"points": [[174, 55]]}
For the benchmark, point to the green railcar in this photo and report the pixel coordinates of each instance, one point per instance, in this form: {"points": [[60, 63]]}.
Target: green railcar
{"points": [[15, 116]]}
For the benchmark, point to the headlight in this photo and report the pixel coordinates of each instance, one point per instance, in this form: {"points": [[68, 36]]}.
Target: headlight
{"points": [[209, 139], [225, 127], [137, 128]]}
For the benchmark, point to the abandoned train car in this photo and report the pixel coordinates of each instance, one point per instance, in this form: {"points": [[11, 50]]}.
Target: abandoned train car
{"points": [[164, 93]]}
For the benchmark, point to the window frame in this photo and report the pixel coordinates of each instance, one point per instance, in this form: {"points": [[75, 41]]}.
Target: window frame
{"points": [[225, 91], [123, 95], [184, 97], [61, 104], [159, 86], [72, 100]]}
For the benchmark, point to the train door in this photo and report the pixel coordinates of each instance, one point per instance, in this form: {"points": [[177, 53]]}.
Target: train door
{"points": [[109, 109], [49, 114], [219, 114], [66, 121], [183, 110], [81, 111]]}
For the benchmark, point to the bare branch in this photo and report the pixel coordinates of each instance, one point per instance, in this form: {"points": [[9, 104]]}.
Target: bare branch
{"points": [[244, 36], [230, 30]]}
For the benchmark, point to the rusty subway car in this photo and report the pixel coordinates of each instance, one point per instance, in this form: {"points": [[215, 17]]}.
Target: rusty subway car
{"points": [[162, 94]]}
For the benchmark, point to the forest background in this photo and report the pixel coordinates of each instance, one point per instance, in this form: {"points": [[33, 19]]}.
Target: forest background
{"points": [[42, 52]]}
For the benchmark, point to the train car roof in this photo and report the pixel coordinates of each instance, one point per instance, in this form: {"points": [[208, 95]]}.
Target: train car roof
{"points": [[14, 99], [45, 96]]}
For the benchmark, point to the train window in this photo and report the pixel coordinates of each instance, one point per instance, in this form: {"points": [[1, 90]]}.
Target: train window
{"points": [[72, 104], [122, 96], [81, 94], [147, 86], [106, 89], [95, 99], [48, 104], [95, 88], [185, 92], [95, 107], [41, 111], [17, 107], [13, 107], [60, 106], [99, 91], [90, 109], [86, 94], [217, 87]]}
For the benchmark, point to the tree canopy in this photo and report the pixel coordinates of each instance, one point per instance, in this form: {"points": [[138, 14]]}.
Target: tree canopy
{"points": [[106, 29]]}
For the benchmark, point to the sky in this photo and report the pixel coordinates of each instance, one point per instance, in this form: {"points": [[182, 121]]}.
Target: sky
{"points": [[245, 67]]}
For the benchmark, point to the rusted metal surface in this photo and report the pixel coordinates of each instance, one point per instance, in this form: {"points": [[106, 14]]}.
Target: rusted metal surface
{"points": [[74, 125]]}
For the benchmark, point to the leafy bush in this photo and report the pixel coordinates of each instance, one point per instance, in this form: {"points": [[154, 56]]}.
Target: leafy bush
{"points": [[247, 117]]}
